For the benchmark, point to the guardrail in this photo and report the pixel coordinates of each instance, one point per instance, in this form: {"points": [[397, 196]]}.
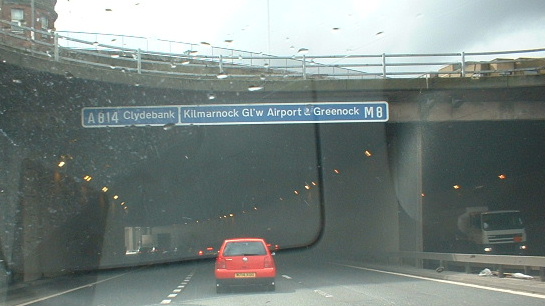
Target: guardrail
{"points": [[472, 260], [149, 56]]}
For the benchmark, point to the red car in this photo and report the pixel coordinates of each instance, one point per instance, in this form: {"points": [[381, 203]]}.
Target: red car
{"points": [[245, 261]]}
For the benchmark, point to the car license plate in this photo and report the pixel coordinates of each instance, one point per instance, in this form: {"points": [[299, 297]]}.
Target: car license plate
{"points": [[244, 275]]}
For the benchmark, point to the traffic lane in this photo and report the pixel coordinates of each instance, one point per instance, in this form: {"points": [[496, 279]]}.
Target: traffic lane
{"points": [[150, 285], [202, 291], [303, 281], [353, 285]]}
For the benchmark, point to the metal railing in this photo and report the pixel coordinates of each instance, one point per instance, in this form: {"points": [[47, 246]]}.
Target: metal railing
{"points": [[155, 56], [468, 261]]}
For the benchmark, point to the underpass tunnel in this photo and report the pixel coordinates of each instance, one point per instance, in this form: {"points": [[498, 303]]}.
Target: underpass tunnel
{"points": [[350, 190]]}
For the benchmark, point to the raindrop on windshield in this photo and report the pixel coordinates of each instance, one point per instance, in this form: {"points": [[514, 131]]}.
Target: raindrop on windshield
{"points": [[114, 56], [302, 51], [222, 75], [168, 126], [16, 81], [211, 96], [255, 88], [68, 75]]}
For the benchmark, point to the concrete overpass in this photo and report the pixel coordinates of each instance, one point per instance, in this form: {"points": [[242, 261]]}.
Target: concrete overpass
{"points": [[371, 178]]}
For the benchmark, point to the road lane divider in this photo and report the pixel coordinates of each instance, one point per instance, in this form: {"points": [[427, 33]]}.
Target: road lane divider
{"points": [[179, 289]]}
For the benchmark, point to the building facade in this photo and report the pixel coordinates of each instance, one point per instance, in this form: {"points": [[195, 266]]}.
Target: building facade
{"points": [[40, 15]]}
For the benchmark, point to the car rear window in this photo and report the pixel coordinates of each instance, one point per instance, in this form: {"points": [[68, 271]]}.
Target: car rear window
{"points": [[245, 248]]}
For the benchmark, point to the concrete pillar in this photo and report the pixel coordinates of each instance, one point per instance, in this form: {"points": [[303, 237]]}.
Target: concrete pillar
{"points": [[405, 152]]}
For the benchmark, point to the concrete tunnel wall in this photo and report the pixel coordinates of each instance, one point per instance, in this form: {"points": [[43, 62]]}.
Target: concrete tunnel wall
{"points": [[361, 211]]}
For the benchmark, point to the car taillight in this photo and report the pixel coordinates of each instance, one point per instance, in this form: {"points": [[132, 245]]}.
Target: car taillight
{"points": [[268, 262], [221, 263]]}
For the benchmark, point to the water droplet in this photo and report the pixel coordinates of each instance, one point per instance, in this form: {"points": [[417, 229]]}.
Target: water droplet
{"points": [[302, 51], [114, 56], [255, 88], [95, 43], [185, 62], [222, 75], [336, 29], [229, 41], [262, 77], [172, 65], [379, 33], [168, 126], [204, 43], [68, 75], [211, 96], [16, 81]]}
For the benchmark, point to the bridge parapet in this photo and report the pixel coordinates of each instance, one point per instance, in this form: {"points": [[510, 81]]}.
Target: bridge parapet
{"points": [[142, 55]]}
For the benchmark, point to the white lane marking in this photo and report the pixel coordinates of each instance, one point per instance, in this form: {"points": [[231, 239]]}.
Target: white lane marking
{"points": [[323, 293], [320, 292], [178, 289], [286, 276], [535, 295], [71, 290]]}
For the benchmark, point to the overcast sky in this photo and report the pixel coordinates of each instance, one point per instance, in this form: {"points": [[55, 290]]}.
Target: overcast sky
{"points": [[282, 27]]}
